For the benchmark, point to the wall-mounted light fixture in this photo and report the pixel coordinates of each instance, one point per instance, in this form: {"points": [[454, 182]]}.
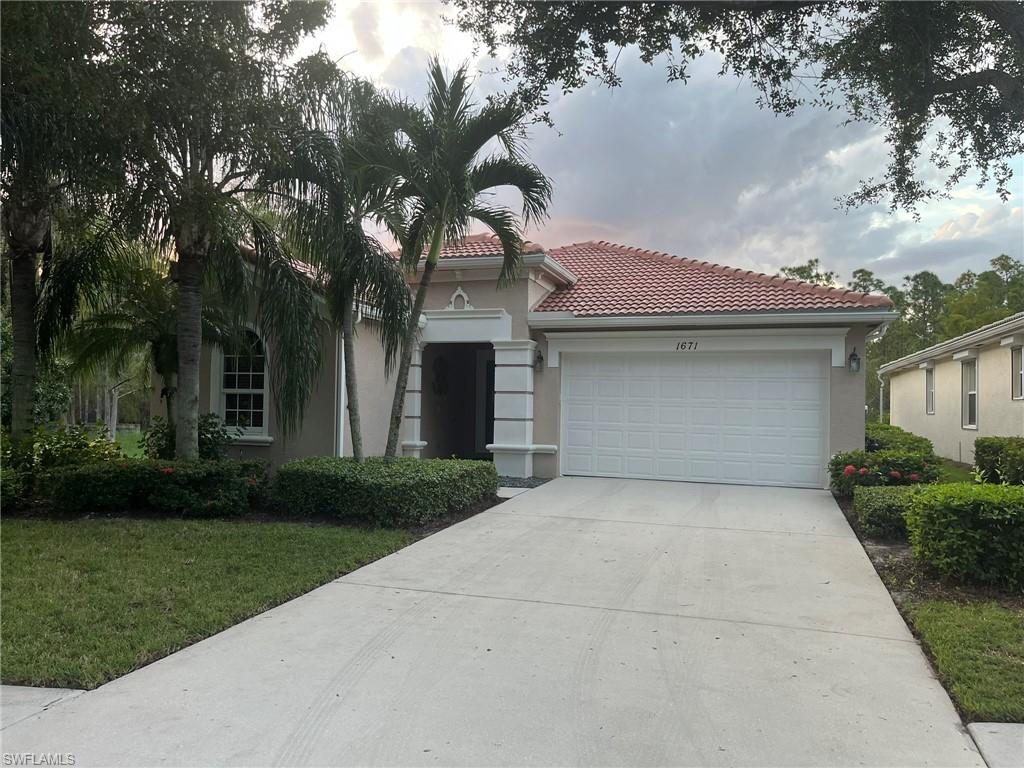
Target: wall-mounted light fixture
{"points": [[538, 361], [854, 361]]}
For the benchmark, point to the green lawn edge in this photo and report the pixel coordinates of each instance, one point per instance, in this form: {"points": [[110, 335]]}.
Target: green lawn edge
{"points": [[86, 601]]}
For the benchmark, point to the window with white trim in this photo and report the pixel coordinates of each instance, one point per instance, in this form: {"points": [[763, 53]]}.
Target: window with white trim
{"points": [[1017, 369], [969, 384], [244, 386], [929, 390]]}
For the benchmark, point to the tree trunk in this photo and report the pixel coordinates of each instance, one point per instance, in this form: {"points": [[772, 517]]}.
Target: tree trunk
{"points": [[351, 388], [23, 322], [170, 385], [190, 342], [402, 381], [115, 400]]}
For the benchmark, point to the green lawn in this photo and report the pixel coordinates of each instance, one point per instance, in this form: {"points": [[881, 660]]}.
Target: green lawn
{"points": [[86, 601], [129, 442], [950, 472], [979, 652]]}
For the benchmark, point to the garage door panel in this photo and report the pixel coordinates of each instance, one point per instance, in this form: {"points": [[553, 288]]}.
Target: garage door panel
{"points": [[736, 417], [674, 389], [640, 441], [705, 389], [579, 438]]}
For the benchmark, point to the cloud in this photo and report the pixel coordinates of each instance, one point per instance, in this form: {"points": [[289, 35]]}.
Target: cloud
{"points": [[699, 170]]}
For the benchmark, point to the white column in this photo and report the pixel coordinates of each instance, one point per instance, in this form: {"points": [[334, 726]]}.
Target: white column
{"points": [[412, 445], [513, 407]]}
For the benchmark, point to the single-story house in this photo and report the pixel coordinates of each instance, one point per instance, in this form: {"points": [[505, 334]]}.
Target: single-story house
{"points": [[968, 387], [600, 360]]}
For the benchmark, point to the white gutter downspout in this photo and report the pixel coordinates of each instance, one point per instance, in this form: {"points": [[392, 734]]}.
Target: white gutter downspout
{"points": [[881, 396]]}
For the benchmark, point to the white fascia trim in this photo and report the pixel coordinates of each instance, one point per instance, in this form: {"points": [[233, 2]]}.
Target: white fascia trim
{"points": [[465, 325], [544, 320], [706, 340], [538, 260], [976, 338]]}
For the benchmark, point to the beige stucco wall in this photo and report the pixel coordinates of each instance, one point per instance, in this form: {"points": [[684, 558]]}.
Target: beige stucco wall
{"points": [[375, 392], [998, 413], [481, 286], [316, 434]]}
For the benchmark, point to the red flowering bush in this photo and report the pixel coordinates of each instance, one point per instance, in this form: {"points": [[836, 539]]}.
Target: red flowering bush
{"points": [[880, 468]]}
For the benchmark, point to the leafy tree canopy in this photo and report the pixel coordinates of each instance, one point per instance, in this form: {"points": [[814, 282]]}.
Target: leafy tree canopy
{"points": [[948, 71], [811, 272]]}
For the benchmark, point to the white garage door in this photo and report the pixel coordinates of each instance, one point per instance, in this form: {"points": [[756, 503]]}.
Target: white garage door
{"points": [[747, 417]]}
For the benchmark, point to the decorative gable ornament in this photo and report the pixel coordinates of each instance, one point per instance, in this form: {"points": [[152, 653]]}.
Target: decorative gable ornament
{"points": [[459, 300]]}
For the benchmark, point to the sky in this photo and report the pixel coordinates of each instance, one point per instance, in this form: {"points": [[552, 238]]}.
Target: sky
{"points": [[695, 169]]}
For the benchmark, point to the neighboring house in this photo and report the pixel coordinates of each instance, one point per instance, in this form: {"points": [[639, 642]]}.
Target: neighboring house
{"points": [[600, 360], [968, 387]]}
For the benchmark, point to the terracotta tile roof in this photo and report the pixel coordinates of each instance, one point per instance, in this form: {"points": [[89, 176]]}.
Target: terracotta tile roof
{"points": [[482, 245], [619, 280]]}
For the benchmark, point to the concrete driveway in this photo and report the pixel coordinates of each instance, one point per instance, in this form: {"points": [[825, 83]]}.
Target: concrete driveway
{"points": [[588, 622]]}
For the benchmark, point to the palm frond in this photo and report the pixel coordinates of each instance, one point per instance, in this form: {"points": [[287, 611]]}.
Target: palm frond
{"points": [[286, 310], [502, 222], [82, 267], [527, 178], [374, 277]]}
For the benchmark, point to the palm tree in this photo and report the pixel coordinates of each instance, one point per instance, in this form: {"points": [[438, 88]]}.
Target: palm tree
{"points": [[327, 194], [213, 109], [138, 317], [437, 157], [57, 156]]}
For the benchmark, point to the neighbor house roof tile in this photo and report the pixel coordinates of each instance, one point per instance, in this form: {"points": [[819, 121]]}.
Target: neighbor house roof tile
{"points": [[618, 280]]}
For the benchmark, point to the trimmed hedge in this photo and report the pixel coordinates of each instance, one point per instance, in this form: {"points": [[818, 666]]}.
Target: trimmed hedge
{"points": [[855, 468], [1000, 459], [880, 510], [400, 492], [176, 488], [970, 532], [886, 437]]}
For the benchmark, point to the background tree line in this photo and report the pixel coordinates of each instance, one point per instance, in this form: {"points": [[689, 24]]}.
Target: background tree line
{"points": [[929, 310]]}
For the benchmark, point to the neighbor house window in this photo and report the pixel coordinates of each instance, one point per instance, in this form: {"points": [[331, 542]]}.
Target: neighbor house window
{"points": [[929, 390], [969, 373], [243, 386], [1017, 368]]}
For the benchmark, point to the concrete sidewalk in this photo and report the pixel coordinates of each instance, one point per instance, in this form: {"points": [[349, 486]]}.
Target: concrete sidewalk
{"points": [[586, 622]]}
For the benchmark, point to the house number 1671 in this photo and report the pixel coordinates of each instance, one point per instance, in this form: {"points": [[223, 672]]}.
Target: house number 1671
{"points": [[686, 346]]}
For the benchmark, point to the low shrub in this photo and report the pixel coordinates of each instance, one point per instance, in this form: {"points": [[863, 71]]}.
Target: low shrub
{"points": [[1000, 459], [214, 439], [969, 532], [10, 489], [887, 437], [880, 509], [59, 447], [176, 488], [872, 468], [404, 491]]}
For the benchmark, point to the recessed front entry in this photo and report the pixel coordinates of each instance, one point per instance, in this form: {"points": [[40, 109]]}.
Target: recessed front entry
{"points": [[457, 400], [743, 417]]}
